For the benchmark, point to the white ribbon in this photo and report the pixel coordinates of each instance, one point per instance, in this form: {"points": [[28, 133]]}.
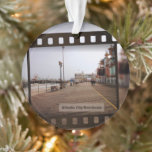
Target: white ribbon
{"points": [[76, 12]]}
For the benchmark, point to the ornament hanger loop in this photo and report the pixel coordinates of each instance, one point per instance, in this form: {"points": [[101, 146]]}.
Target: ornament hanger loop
{"points": [[76, 12]]}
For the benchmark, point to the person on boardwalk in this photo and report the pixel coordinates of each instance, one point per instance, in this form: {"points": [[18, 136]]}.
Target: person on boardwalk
{"points": [[93, 82], [71, 82]]}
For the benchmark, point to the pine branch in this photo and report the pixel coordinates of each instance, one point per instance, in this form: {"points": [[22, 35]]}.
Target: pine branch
{"points": [[102, 12], [15, 24], [134, 34], [11, 94], [12, 137]]}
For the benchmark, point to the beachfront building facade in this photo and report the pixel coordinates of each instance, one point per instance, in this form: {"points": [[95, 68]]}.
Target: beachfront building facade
{"points": [[106, 71], [81, 77]]}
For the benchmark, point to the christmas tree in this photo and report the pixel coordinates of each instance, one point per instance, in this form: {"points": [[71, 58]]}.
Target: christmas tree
{"points": [[21, 130]]}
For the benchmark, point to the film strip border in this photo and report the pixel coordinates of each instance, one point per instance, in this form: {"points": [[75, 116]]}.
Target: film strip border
{"points": [[79, 122], [67, 39]]}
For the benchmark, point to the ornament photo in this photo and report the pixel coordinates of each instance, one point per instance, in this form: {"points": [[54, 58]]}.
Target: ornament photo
{"points": [[75, 82]]}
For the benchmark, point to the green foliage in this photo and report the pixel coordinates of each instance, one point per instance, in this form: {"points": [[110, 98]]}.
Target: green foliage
{"points": [[16, 21], [58, 8], [15, 24], [102, 12], [12, 138], [11, 94], [135, 36], [92, 145]]}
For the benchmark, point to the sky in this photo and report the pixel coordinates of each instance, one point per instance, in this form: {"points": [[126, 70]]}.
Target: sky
{"points": [[77, 59]]}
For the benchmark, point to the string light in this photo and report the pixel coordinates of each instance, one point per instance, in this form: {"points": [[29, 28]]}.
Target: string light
{"points": [[73, 131], [77, 132], [16, 15], [106, 1], [81, 134], [49, 144], [37, 145]]}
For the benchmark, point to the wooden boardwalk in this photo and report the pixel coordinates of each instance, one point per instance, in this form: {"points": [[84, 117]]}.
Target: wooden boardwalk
{"points": [[47, 104]]}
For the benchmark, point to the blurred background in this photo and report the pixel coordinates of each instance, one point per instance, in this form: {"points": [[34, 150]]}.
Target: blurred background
{"points": [[129, 130]]}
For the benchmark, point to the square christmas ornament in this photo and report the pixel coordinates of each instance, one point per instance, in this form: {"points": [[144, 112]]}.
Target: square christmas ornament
{"points": [[75, 82]]}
